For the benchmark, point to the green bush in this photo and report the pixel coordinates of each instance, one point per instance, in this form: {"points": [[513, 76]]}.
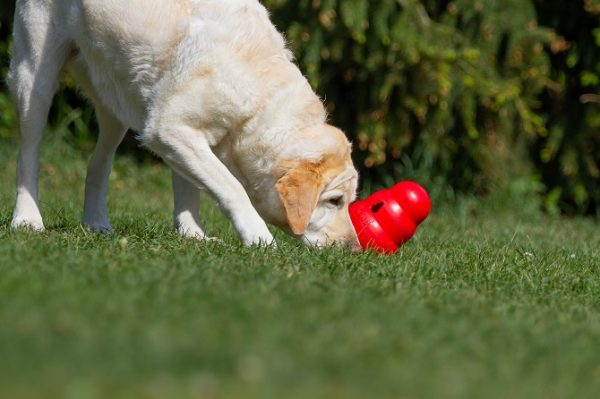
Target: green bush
{"points": [[468, 96], [456, 87], [568, 157], [8, 124]]}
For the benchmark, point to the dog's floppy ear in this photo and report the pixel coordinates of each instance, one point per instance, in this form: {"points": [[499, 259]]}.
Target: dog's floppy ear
{"points": [[299, 190]]}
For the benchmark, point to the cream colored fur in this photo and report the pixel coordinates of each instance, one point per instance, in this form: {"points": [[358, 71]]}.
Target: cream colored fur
{"points": [[210, 86]]}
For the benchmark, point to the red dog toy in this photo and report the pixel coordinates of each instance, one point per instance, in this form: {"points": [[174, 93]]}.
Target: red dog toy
{"points": [[388, 218]]}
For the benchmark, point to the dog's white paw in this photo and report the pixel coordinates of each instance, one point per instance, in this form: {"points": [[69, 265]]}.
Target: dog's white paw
{"points": [[262, 238], [27, 223], [190, 232], [194, 231]]}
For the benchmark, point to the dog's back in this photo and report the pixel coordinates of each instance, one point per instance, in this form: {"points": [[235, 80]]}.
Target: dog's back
{"points": [[119, 50]]}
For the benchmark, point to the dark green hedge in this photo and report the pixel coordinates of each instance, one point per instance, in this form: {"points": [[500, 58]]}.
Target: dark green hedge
{"points": [[471, 95]]}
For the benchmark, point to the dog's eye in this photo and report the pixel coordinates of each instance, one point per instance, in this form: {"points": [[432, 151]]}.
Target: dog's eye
{"points": [[336, 201]]}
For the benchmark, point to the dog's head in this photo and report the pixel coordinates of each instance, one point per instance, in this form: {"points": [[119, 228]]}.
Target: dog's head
{"points": [[316, 187]]}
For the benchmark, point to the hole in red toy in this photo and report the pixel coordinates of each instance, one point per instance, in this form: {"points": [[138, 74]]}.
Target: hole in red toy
{"points": [[375, 208]]}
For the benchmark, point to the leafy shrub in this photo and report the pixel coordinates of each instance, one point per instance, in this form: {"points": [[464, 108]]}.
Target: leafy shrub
{"points": [[568, 157], [456, 82], [460, 87], [8, 125]]}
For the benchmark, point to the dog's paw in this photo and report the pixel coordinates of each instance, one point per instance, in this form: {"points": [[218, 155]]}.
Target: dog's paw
{"points": [[24, 223], [262, 240], [190, 231], [98, 228]]}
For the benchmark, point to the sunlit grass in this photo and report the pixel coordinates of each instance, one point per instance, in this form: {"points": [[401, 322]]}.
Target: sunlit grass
{"points": [[478, 304]]}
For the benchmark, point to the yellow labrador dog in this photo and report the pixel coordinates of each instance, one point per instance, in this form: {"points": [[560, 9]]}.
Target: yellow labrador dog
{"points": [[210, 87]]}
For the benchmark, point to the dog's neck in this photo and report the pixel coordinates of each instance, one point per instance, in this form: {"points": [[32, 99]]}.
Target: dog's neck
{"points": [[288, 108]]}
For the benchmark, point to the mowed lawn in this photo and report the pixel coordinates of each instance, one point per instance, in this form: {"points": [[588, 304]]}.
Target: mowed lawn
{"points": [[480, 304]]}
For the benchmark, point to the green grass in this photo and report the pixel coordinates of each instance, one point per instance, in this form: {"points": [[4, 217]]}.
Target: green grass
{"points": [[479, 304]]}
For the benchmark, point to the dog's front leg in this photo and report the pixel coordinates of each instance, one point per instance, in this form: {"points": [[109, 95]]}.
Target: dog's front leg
{"points": [[188, 153]]}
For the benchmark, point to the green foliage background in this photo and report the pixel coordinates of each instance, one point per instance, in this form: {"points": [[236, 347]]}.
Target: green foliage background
{"points": [[476, 96]]}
